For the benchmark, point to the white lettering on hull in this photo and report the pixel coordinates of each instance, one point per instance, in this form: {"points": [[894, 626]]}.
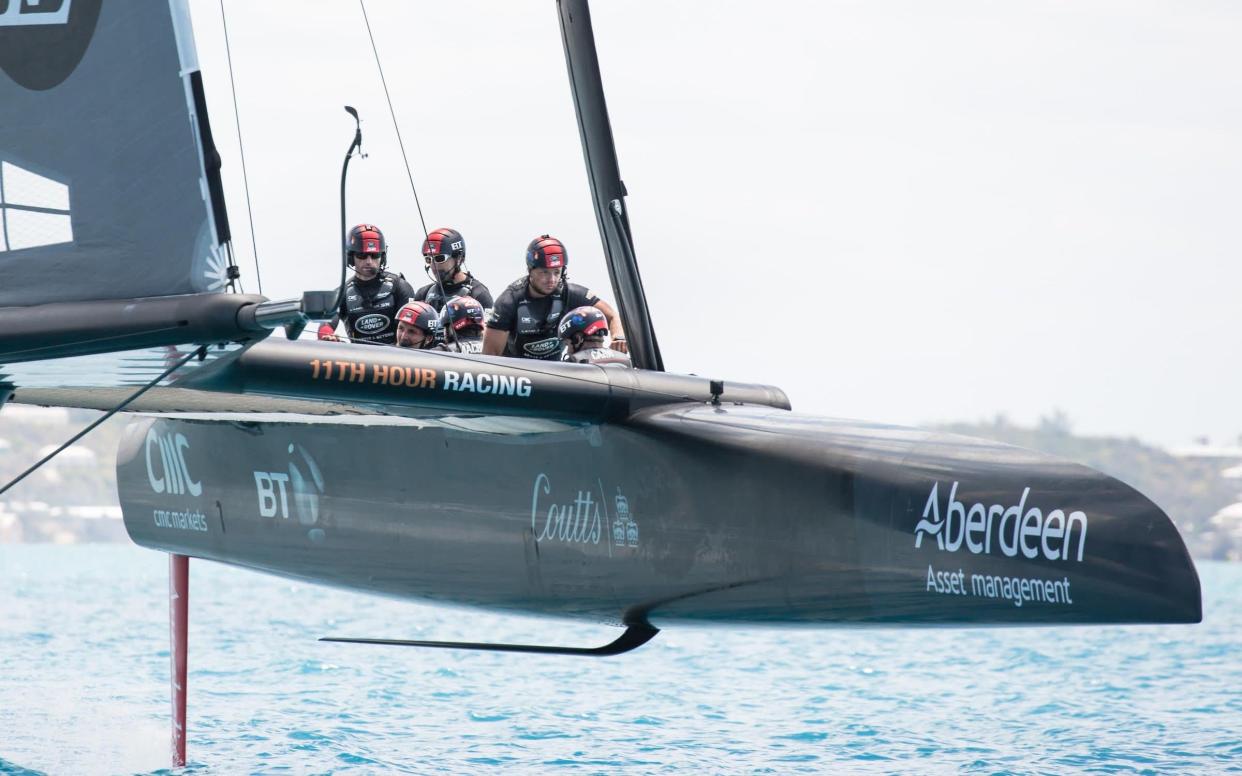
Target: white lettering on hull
{"points": [[191, 520], [1015, 529], [576, 522], [487, 383], [1017, 590], [170, 475]]}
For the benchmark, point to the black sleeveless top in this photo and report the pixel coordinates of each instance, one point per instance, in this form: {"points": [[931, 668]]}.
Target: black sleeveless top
{"points": [[531, 322], [471, 286], [370, 307]]}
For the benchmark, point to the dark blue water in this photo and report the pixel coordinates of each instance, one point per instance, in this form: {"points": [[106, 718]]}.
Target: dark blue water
{"points": [[84, 687]]}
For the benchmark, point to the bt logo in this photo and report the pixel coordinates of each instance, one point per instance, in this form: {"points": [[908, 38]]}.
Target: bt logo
{"points": [[298, 488]]}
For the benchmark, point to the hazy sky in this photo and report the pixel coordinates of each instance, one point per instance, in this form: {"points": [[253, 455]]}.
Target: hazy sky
{"points": [[893, 211]]}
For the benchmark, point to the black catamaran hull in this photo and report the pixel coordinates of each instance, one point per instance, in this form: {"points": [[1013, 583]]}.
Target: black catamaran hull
{"points": [[689, 512]]}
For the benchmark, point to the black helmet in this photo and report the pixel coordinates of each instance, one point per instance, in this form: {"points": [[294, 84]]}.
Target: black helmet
{"points": [[367, 239], [444, 242], [580, 323], [460, 312], [546, 251]]}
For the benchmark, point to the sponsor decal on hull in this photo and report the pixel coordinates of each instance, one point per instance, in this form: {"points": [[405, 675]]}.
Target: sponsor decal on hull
{"points": [[581, 520], [294, 493], [169, 475], [190, 520], [1016, 590], [487, 383], [166, 467], [624, 526], [1011, 530]]}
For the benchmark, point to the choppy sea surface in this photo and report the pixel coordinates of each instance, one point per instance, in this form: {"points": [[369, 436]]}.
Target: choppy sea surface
{"points": [[84, 687]]}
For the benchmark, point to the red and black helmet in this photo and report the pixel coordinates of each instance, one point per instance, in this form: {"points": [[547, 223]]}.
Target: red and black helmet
{"points": [[367, 240], [546, 251], [420, 315], [460, 312], [581, 323], [444, 242]]}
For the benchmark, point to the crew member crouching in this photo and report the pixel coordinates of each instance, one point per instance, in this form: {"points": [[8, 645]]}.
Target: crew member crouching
{"points": [[418, 327], [523, 322], [462, 323], [584, 331]]}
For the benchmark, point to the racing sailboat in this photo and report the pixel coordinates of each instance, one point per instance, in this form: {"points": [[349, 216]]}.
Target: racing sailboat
{"points": [[639, 498]]}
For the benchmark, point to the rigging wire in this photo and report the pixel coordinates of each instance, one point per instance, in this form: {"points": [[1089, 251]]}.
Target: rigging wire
{"points": [[237, 119], [393, 113], [431, 273], [200, 352]]}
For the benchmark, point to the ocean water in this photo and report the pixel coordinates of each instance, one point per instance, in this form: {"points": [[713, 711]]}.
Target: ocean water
{"points": [[84, 687]]}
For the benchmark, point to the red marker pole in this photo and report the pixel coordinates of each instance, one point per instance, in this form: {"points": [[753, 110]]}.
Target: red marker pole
{"points": [[178, 621]]}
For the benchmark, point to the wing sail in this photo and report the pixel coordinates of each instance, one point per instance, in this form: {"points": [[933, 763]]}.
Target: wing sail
{"points": [[113, 231], [104, 189]]}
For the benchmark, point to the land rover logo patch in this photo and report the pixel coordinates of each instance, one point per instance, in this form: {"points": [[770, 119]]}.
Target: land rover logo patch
{"points": [[542, 347], [42, 43], [369, 324]]}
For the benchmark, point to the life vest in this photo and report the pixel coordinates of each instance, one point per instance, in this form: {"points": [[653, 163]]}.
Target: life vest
{"points": [[371, 315], [437, 299], [535, 337], [467, 345]]}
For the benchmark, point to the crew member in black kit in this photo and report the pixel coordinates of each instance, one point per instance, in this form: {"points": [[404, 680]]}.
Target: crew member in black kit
{"points": [[419, 327], [584, 330], [373, 295], [462, 321], [524, 319], [444, 251]]}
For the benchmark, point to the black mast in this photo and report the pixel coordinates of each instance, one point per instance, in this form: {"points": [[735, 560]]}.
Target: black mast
{"points": [[607, 190]]}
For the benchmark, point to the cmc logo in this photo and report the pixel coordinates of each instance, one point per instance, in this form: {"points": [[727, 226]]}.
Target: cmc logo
{"points": [[166, 468], [369, 324]]}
